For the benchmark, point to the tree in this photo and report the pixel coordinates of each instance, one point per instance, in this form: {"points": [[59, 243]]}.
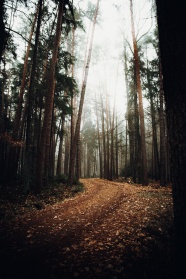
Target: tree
{"points": [[140, 100], [162, 130], [99, 139], [83, 89], [5, 35], [171, 25], [28, 150], [45, 134]]}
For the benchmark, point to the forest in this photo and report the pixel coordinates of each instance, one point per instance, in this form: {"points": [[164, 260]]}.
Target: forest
{"points": [[49, 130], [92, 107]]}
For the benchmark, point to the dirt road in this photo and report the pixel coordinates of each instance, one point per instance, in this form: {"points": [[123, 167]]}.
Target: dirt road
{"points": [[111, 230]]}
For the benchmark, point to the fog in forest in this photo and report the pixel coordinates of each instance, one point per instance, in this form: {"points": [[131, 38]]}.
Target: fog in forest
{"points": [[106, 81], [92, 139]]}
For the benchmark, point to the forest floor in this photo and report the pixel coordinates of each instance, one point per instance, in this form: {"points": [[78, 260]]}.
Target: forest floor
{"points": [[110, 230]]}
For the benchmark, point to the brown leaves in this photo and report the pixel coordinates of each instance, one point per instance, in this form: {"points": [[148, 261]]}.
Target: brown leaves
{"points": [[103, 230]]}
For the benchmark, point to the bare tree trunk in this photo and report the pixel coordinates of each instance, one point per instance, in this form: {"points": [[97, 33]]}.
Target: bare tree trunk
{"points": [[104, 141], [117, 150], [67, 152], [127, 113], [99, 144], [31, 99], [77, 173], [171, 24], [126, 149], [72, 98], [83, 89], [108, 138], [112, 153], [51, 170], [17, 132], [2, 114], [155, 160], [162, 131], [61, 136], [16, 127], [45, 134], [112, 165], [3, 145], [137, 141], [140, 99]]}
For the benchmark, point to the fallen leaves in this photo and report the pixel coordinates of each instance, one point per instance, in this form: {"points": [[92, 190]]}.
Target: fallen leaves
{"points": [[101, 231]]}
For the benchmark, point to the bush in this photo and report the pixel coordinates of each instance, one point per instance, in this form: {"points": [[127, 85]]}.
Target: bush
{"points": [[78, 188], [61, 178]]}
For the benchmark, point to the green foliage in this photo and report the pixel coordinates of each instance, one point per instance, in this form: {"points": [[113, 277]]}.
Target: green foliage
{"points": [[126, 171], [66, 84], [76, 181], [65, 59], [78, 188], [4, 33], [90, 11], [77, 185], [61, 178]]}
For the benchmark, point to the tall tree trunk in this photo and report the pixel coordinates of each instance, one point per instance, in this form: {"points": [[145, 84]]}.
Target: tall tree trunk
{"points": [[154, 140], [140, 99], [171, 24], [72, 98], [162, 131], [137, 140], [83, 89], [112, 169], [51, 165], [2, 111], [107, 137], [67, 152], [59, 160], [14, 153], [127, 113], [31, 99], [155, 161], [99, 144], [117, 150], [104, 141], [78, 161], [3, 145], [45, 134], [24, 75], [126, 150]]}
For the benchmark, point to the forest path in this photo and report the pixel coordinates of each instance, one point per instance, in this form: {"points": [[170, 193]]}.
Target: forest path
{"points": [[111, 230]]}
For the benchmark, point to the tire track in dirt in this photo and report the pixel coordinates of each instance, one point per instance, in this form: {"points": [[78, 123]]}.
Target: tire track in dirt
{"points": [[88, 236], [78, 215]]}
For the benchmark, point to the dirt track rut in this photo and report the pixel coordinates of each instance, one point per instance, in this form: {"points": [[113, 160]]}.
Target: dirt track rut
{"points": [[100, 233]]}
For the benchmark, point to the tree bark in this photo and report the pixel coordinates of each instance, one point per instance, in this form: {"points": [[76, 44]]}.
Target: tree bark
{"points": [[99, 144], [45, 134], [107, 137], [155, 155], [140, 100], [117, 150], [83, 89], [162, 131], [171, 24], [59, 160], [104, 141], [28, 148], [16, 128]]}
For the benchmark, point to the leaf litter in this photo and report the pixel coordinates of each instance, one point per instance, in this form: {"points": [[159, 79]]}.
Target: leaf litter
{"points": [[111, 230]]}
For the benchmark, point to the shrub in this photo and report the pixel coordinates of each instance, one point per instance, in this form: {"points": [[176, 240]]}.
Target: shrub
{"points": [[61, 178]]}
